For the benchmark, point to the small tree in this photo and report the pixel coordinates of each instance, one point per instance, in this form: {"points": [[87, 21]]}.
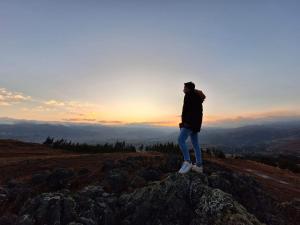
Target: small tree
{"points": [[48, 141]]}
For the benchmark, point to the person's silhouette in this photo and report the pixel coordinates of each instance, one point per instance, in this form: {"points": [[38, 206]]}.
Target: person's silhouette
{"points": [[191, 121]]}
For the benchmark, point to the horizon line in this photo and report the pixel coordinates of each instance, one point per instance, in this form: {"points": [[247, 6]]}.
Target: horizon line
{"points": [[217, 124]]}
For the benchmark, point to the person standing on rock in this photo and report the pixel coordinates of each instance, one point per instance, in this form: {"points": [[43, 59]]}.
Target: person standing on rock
{"points": [[191, 121]]}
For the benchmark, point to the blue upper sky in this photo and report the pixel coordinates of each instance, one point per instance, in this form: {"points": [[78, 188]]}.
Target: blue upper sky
{"points": [[126, 61]]}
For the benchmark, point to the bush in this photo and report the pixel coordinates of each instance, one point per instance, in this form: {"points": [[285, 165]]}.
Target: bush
{"points": [[169, 147]]}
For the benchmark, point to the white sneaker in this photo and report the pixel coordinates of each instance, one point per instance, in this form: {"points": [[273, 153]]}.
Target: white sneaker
{"points": [[197, 169], [186, 167]]}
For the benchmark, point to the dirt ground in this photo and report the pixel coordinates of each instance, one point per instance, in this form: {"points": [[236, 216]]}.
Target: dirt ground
{"points": [[19, 161]]}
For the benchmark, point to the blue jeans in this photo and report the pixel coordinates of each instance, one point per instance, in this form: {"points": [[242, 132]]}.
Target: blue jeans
{"points": [[184, 133]]}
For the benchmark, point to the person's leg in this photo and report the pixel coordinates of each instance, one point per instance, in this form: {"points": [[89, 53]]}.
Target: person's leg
{"points": [[184, 133], [197, 150]]}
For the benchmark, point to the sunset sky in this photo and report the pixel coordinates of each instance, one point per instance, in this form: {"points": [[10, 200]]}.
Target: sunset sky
{"points": [[125, 62]]}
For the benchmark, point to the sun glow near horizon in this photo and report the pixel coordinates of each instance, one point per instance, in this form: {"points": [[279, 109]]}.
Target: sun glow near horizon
{"points": [[20, 106]]}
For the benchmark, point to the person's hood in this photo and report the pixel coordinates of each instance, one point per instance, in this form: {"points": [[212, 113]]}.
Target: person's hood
{"points": [[200, 93]]}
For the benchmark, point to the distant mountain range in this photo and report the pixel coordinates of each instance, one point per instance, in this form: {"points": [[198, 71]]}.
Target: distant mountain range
{"points": [[269, 137], [38, 131]]}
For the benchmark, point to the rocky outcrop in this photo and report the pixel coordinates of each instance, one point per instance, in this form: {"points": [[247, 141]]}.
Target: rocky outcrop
{"points": [[90, 206], [182, 199], [178, 199], [132, 193]]}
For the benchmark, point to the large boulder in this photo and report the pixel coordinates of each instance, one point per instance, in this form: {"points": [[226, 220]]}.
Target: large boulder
{"points": [[182, 199], [87, 207], [249, 193]]}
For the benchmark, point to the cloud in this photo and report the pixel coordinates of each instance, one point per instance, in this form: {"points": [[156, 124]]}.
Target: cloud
{"points": [[71, 105], [86, 110], [54, 103], [8, 98], [82, 119], [151, 123], [253, 118], [79, 120], [42, 108], [146, 123], [110, 121]]}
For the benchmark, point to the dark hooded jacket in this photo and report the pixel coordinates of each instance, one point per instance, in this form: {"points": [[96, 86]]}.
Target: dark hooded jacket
{"points": [[192, 110]]}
